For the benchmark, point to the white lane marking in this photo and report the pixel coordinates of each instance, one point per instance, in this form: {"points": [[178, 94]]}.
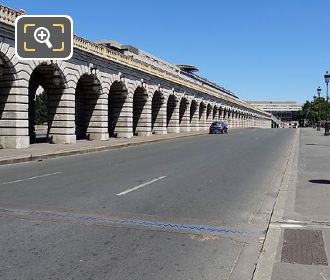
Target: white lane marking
{"points": [[31, 178], [141, 186], [291, 226]]}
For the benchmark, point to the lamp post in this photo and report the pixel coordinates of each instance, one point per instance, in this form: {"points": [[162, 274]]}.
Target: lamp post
{"points": [[314, 120], [318, 124], [327, 124]]}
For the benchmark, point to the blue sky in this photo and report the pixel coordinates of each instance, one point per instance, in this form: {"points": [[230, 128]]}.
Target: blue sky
{"points": [[259, 49]]}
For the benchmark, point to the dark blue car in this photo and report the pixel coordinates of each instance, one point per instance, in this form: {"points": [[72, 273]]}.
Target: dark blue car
{"points": [[218, 128]]}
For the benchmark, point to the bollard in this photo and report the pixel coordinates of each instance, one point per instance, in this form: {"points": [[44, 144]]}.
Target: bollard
{"points": [[326, 128]]}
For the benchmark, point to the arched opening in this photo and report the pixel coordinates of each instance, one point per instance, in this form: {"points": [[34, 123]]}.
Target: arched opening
{"points": [[208, 111], [46, 87], [140, 116], [193, 109], [202, 108], [158, 117], [215, 113], [221, 113], [194, 116], [184, 115], [117, 113], [172, 115], [183, 108], [208, 114], [202, 115], [228, 115], [170, 108], [87, 93], [6, 82]]}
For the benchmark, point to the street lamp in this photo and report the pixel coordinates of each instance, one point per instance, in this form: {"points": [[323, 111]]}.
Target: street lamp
{"points": [[327, 125], [314, 121], [319, 92], [318, 124]]}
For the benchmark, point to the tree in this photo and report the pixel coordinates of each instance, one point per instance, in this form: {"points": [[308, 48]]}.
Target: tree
{"points": [[40, 105], [313, 111]]}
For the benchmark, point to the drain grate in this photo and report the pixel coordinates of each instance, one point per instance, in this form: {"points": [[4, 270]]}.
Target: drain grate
{"points": [[303, 246]]}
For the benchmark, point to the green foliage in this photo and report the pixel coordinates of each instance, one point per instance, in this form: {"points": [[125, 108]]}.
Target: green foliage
{"points": [[313, 111], [40, 105]]}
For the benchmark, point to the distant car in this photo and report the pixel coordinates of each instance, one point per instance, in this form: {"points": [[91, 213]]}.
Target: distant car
{"points": [[218, 128]]}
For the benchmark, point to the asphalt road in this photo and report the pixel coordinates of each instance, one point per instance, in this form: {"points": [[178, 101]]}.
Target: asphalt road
{"points": [[191, 208]]}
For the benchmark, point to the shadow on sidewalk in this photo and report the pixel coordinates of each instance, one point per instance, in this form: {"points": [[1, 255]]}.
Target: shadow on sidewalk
{"points": [[313, 144], [320, 181]]}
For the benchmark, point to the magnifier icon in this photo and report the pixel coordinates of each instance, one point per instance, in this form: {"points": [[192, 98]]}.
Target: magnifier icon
{"points": [[42, 35]]}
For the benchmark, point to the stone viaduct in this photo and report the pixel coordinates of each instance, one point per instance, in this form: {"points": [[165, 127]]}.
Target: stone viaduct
{"points": [[101, 93]]}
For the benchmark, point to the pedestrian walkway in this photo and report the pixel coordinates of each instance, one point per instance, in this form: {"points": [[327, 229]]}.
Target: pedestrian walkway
{"points": [[298, 240], [46, 150]]}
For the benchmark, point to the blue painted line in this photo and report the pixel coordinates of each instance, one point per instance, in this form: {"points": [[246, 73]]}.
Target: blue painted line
{"points": [[76, 217]]}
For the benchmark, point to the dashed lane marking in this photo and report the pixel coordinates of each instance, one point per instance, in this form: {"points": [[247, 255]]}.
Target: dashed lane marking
{"points": [[141, 186], [31, 178]]}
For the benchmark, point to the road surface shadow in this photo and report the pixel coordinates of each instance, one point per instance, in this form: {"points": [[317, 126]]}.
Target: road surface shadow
{"points": [[313, 144], [320, 181]]}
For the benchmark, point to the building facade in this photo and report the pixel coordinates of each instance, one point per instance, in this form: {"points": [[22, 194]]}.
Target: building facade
{"points": [[107, 91], [286, 111]]}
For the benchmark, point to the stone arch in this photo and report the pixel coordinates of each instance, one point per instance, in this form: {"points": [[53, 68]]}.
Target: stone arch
{"points": [[215, 115], [221, 112], [194, 115], [229, 116], [87, 115], [184, 115], [119, 111], [172, 114], [208, 111], [141, 112], [225, 112], [158, 113], [202, 115], [209, 117], [49, 81]]}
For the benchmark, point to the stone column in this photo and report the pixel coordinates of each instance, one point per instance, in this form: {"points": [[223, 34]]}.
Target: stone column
{"points": [[173, 115], [202, 116], [194, 116], [61, 111], [159, 111], [98, 125], [124, 126], [209, 117], [143, 127], [221, 112], [229, 118], [14, 124], [235, 119], [185, 120], [215, 114]]}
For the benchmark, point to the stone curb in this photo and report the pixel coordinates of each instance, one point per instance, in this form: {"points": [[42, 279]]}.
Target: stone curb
{"points": [[51, 155], [264, 268]]}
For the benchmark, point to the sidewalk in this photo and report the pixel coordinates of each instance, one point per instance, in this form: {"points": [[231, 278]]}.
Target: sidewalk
{"points": [[46, 150], [297, 245]]}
